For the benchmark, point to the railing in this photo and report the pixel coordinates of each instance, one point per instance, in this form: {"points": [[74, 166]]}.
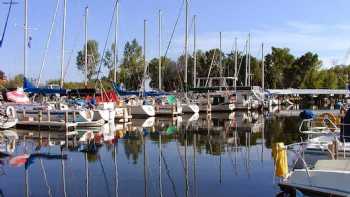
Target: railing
{"points": [[308, 91]]}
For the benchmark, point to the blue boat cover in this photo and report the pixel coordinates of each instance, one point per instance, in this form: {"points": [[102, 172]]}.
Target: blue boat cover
{"points": [[30, 88], [307, 114], [122, 92]]}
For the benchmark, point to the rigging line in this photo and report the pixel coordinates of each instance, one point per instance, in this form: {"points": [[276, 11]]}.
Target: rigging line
{"points": [[168, 174], [173, 31], [45, 178], [6, 23], [77, 36], [105, 46], [211, 66], [104, 176], [178, 152], [241, 61], [48, 42]]}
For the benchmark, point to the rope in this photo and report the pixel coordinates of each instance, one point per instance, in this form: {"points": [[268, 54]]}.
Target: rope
{"points": [[168, 174], [45, 177], [104, 176], [105, 46], [48, 42], [173, 31], [211, 66], [71, 53], [6, 23], [241, 62]]}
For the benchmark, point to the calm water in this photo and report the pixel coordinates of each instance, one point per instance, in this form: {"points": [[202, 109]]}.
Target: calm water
{"points": [[225, 155]]}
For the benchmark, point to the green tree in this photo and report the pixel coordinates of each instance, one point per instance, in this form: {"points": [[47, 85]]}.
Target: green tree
{"points": [[108, 61], [301, 66], [93, 58], [133, 64], [278, 67], [169, 73], [312, 79], [16, 81], [329, 79]]}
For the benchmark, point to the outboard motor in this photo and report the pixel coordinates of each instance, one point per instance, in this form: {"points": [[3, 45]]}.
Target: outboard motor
{"points": [[345, 128]]}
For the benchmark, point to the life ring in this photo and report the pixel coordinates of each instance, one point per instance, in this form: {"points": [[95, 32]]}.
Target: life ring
{"points": [[334, 120], [11, 112]]}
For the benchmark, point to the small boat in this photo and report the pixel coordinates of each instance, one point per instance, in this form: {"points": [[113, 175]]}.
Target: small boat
{"points": [[10, 138], [326, 178], [8, 118], [17, 96]]}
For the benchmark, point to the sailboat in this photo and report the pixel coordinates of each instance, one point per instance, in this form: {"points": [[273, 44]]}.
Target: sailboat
{"points": [[137, 106]]}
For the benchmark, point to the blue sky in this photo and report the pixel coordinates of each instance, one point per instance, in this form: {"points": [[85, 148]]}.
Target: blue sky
{"points": [[318, 26]]}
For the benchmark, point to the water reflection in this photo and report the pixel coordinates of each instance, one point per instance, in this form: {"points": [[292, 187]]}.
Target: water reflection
{"points": [[200, 155]]}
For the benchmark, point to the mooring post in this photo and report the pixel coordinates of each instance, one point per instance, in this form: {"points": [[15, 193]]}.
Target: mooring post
{"points": [[173, 109], [74, 116], [125, 114], [40, 116], [49, 115], [208, 104], [66, 127]]}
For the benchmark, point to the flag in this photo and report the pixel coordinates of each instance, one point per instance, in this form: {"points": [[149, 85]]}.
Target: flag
{"points": [[29, 42]]}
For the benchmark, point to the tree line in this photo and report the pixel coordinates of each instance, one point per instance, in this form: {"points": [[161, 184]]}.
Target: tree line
{"points": [[282, 69]]}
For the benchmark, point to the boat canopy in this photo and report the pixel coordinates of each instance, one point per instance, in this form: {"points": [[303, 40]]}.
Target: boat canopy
{"points": [[30, 88], [82, 92], [119, 89]]}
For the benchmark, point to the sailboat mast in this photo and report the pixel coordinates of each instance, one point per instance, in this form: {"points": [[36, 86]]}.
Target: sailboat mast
{"points": [[246, 64], [86, 44], [25, 37], [116, 43], [220, 55], [194, 52], [262, 67], [236, 62], [220, 60], [249, 58], [86, 175], [62, 41], [160, 166], [144, 56], [186, 46], [160, 52]]}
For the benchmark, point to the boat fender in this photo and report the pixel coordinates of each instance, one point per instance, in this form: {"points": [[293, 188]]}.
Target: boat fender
{"points": [[11, 112], [279, 154]]}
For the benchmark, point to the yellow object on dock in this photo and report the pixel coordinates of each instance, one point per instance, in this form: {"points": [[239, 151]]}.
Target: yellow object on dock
{"points": [[279, 154]]}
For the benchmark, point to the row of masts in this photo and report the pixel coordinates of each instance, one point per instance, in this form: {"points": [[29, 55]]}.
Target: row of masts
{"points": [[248, 75]]}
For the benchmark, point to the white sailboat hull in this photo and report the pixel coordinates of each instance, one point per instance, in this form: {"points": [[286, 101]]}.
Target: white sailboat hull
{"points": [[190, 108], [143, 110], [168, 110]]}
